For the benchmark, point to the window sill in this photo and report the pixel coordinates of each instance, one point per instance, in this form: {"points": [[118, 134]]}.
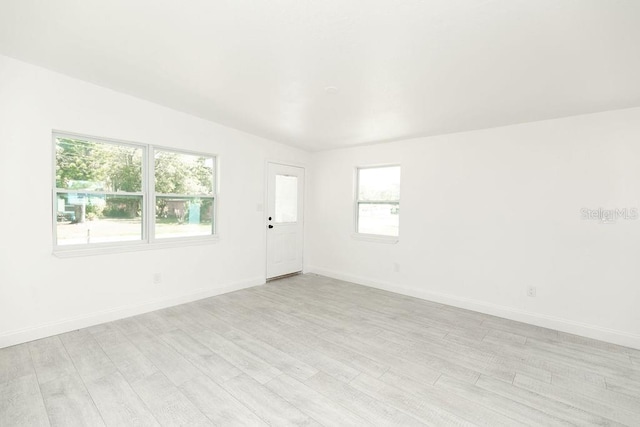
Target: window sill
{"points": [[116, 249], [391, 240]]}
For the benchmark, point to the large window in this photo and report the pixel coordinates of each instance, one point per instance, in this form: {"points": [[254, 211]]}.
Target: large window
{"points": [[114, 193], [378, 200]]}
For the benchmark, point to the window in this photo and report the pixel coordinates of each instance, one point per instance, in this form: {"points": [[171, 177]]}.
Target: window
{"points": [[184, 194], [378, 200], [115, 193]]}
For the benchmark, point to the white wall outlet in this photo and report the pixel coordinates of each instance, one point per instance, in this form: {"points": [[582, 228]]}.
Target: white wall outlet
{"points": [[396, 267], [157, 278], [531, 291]]}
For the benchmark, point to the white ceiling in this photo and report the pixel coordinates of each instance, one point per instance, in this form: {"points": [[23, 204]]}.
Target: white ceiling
{"points": [[402, 68]]}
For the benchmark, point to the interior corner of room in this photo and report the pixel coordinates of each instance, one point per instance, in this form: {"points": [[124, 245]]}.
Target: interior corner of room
{"points": [[485, 215], [462, 159]]}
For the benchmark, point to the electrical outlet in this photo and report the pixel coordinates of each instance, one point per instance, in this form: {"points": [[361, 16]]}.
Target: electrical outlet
{"points": [[531, 291], [396, 267], [157, 278]]}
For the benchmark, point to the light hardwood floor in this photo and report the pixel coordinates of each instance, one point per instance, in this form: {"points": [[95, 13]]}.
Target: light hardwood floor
{"points": [[310, 350]]}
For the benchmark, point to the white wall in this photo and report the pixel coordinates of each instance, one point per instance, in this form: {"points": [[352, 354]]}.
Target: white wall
{"points": [[485, 214], [41, 294]]}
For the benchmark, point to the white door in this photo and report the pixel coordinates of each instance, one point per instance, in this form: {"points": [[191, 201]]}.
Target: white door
{"points": [[285, 222]]}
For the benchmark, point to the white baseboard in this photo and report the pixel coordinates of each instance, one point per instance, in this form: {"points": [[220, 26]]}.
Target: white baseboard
{"points": [[565, 325], [83, 321]]}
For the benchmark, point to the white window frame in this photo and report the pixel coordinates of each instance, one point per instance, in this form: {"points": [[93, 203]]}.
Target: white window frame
{"points": [[152, 190], [381, 238], [148, 240]]}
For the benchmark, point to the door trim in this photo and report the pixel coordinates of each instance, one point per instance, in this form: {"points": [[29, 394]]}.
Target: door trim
{"points": [[265, 203]]}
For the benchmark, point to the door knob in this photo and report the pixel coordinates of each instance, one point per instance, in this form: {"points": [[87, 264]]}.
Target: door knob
{"points": [[270, 226]]}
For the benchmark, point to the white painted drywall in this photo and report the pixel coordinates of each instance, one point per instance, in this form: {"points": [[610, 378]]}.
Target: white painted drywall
{"points": [[401, 68], [485, 214], [41, 294]]}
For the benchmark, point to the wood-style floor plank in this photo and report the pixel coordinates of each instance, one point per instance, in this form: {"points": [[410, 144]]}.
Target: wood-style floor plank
{"points": [[311, 350], [270, 407], [579, 400], [281, 360], [166, 359], [131, 363], [374, 411], [202, 357], [21, 403], [313, 403], [50, 359], [15, 362], [498, 402], [250, 364], [421, 409], [269, 332], [218, 405], [86, 354], [550, 405], [454, 403], [623, 385], [168, 404], [68, 403], [118, 403], [630, 402]]}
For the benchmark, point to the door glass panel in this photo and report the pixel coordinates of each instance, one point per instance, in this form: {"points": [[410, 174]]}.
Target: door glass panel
{"points": [[286, 198]]}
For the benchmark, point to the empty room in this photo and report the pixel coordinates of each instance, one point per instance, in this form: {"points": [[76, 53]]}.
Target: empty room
{"points": [[337, 213]]}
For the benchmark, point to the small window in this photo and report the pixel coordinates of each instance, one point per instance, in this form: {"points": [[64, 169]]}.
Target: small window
{"points": [[378, 201], [184, 194]]}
